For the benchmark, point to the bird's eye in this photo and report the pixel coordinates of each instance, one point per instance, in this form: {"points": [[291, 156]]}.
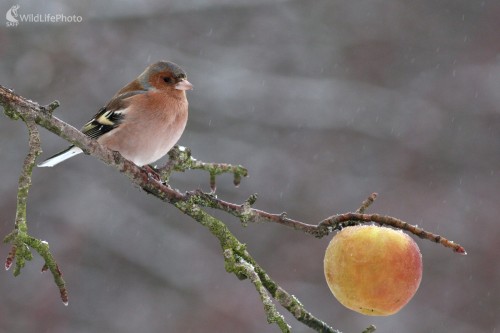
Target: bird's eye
{"points": [[167, 79]]}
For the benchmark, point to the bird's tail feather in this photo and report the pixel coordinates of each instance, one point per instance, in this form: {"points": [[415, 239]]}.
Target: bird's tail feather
{"points": [[59, 157]]}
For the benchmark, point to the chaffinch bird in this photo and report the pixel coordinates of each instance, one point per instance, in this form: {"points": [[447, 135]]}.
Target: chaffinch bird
{"points": [[143, 120]]}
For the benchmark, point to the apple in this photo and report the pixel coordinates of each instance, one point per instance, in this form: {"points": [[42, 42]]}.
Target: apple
{"points": [[373, 270]]}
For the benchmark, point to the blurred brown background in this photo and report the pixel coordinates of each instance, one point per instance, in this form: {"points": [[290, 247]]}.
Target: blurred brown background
{"points": [[323, 101]]}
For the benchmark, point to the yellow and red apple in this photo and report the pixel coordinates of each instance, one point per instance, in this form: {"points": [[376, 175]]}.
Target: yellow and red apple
{"points": [[373, 270]]}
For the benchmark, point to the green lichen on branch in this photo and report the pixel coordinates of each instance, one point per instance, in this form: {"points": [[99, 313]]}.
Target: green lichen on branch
{"points": [[233, 259], [21, 241], [288, 301], [51, 107], [20, 251], [239, 262], [242, 269], [180, 160]]}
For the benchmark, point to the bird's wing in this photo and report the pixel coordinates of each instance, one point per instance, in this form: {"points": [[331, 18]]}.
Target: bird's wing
{"points": [[109, 116]]}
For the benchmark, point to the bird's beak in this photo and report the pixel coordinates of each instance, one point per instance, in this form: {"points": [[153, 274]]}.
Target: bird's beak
{"points": [[184, 85]]}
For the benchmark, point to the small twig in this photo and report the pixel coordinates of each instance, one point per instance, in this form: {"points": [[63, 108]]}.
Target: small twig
{"points": [[42, 248], [19, 252], [50, 107], [180, 160], [242, 268], [20, 239], [367, 203], [369, 329]]}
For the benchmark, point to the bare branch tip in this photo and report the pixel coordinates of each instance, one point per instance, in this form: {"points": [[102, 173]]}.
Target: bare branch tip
{"points": [[370, 329], [367, 203], [64, 296], [10, 258], [213, 185], [461, 250], [251, 199], [51, 107]]}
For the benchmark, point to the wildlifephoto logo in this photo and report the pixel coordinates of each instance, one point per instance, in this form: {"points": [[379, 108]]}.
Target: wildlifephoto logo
{"points": [[13, 17]]}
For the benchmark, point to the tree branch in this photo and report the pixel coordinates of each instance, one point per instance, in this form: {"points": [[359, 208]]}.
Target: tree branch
{"points": [[238, 260], [336, 222], [180, 160], [19, 238]]}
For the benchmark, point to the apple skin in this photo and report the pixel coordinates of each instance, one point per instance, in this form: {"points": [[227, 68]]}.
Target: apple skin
{"points": [[373, 270]]}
